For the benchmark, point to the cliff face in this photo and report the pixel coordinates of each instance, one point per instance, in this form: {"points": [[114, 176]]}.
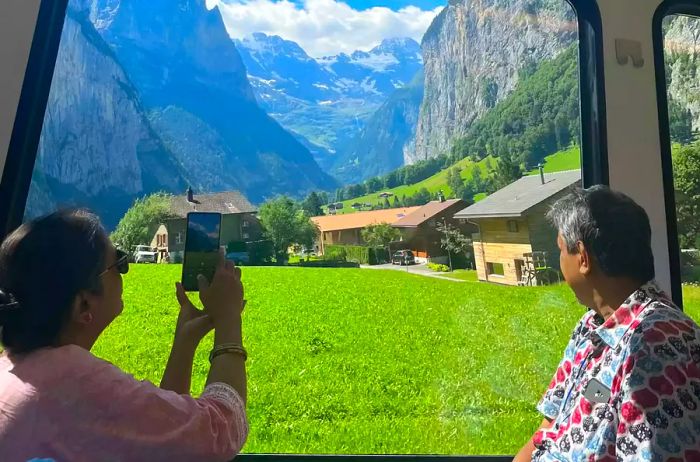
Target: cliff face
{"points": [[381, 145], [183, 62], [97, 147], [473, 54]]}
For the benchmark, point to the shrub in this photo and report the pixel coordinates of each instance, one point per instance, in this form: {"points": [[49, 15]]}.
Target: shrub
{"points": [[439, 268], [357, 253], [334, 253]]}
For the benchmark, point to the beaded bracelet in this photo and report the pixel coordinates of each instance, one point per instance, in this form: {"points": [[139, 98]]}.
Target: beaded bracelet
{"points": [[228, 348]]}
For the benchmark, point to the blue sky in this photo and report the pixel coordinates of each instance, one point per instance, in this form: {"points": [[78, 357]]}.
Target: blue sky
{"points": [[396, 4], [329, 27]]}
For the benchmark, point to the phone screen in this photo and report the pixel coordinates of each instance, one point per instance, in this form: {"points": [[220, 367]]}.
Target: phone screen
{"points": [[201, 248]]}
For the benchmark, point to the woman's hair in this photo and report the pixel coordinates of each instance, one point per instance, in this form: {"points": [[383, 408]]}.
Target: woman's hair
{"points": [[44, 265]]}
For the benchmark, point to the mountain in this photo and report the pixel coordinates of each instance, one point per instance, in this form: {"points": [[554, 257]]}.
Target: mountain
{"points": [[381, 145], [474, 53], [326, 101], [191, 79], [97, 147]]}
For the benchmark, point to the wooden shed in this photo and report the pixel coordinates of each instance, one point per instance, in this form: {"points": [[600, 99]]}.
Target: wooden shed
{"points": [[511, 225]]}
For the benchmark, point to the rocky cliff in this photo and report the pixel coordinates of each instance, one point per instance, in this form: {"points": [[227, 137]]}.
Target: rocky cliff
{"points": [[473, 54], [182, 61], [388, 135], [97, 147]]}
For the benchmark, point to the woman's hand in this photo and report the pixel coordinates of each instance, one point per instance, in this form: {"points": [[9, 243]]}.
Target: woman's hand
{"points": [[192, 324], [223, 297]]}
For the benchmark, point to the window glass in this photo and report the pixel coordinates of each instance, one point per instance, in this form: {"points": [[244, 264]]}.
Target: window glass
{"points": [[682, 61], [331, 135]]}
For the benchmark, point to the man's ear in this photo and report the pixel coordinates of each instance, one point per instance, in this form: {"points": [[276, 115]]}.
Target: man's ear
{"points": [[584, 259]]}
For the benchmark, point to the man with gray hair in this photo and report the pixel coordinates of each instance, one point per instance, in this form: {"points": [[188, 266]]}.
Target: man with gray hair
{"points": [[628, 387]]}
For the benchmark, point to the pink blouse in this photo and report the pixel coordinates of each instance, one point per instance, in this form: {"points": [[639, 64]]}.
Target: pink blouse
{"points": [[68, 405]]}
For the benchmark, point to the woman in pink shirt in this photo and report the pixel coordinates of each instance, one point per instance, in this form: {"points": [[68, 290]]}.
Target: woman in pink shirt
{"points": [[60, 287]]}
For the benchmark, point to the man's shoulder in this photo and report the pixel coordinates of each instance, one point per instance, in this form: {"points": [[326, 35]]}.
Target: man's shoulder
{"points": [[665, 334]]}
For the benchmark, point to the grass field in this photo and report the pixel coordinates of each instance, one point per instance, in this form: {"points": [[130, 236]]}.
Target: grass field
{"points": [[358, 361], [569, 159]]}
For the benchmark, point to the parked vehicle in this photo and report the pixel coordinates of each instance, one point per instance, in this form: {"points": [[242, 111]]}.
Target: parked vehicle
{"points": [[403, 257], [145, 254]]}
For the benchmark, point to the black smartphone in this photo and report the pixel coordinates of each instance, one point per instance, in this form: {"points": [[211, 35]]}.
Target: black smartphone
{"points": [[201, 248]]}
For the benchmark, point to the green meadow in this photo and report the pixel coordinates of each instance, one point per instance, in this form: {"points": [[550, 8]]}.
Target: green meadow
{"points": [[353, 361]]}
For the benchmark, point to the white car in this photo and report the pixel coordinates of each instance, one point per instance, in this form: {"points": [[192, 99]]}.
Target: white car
{"points": [[145, 254]]}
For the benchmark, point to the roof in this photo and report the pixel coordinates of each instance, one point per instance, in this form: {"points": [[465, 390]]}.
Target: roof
{"points": [[361, 219], [426, 212], [518, 197], [228, 202]]}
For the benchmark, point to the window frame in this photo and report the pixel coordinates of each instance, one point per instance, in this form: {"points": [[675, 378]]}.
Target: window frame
{"points": [[490, 267], [24, 141], [669, 8]]}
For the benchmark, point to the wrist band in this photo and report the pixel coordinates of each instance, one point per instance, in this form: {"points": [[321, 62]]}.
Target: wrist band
{"points": [[228, 348]]}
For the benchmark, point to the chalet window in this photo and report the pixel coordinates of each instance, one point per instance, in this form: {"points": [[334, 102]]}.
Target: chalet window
{"points": [[246, 236], [246, 224], [495, 269], [178, 238], [512, 226]]}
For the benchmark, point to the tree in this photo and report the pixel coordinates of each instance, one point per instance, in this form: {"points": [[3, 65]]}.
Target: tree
{"points": [[680, 122], [140, 222], [396, 204], [380, 235], [455, 182], [422, 197], [507, 171], [686, 165], [373, 185], [454, 241], [286, 224], [312, 205], [387, 205]]}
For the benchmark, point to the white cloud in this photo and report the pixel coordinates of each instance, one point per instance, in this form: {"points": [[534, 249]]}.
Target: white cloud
{"points": [[323, 27]]}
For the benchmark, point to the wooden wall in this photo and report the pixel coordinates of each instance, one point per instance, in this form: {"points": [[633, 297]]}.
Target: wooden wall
{"points": [[543, 236], [496, 244]]}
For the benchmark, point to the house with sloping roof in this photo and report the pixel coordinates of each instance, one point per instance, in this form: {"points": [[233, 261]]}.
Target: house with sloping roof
{"points": [[514, 240], [239, 222], [345, 229], [420, 228]]}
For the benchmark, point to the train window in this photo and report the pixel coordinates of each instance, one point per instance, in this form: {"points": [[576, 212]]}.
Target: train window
{"points": [[383, 174], [681, 45]]}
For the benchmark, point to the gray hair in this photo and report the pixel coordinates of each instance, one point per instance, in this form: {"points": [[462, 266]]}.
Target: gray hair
{"points": [[612, 227]]}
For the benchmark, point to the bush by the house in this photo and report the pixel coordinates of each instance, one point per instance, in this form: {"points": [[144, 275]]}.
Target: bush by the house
{"points": [[334, 253], [439, 268], [357, 253]]}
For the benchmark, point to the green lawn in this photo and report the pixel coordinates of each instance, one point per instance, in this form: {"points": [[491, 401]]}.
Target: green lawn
{"points": [[569, 159], [366, 361]]}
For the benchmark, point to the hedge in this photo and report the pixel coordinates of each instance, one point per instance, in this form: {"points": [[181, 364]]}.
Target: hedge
{"points": [[356, 253]]}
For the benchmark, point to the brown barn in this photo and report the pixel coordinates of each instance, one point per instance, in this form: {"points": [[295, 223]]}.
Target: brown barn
{"points": [[419, 228], [512, 226], [345, 229]]}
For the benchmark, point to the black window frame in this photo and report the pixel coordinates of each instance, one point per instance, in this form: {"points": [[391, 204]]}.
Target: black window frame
{"points": [[665, 9], [24, 142]]}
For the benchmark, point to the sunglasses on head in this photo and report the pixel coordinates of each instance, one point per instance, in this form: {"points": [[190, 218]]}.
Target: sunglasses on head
{"points": [[122, 263]]}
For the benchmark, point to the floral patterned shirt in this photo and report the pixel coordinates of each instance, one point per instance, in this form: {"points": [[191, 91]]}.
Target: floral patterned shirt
{"points": [[628, 388]]}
